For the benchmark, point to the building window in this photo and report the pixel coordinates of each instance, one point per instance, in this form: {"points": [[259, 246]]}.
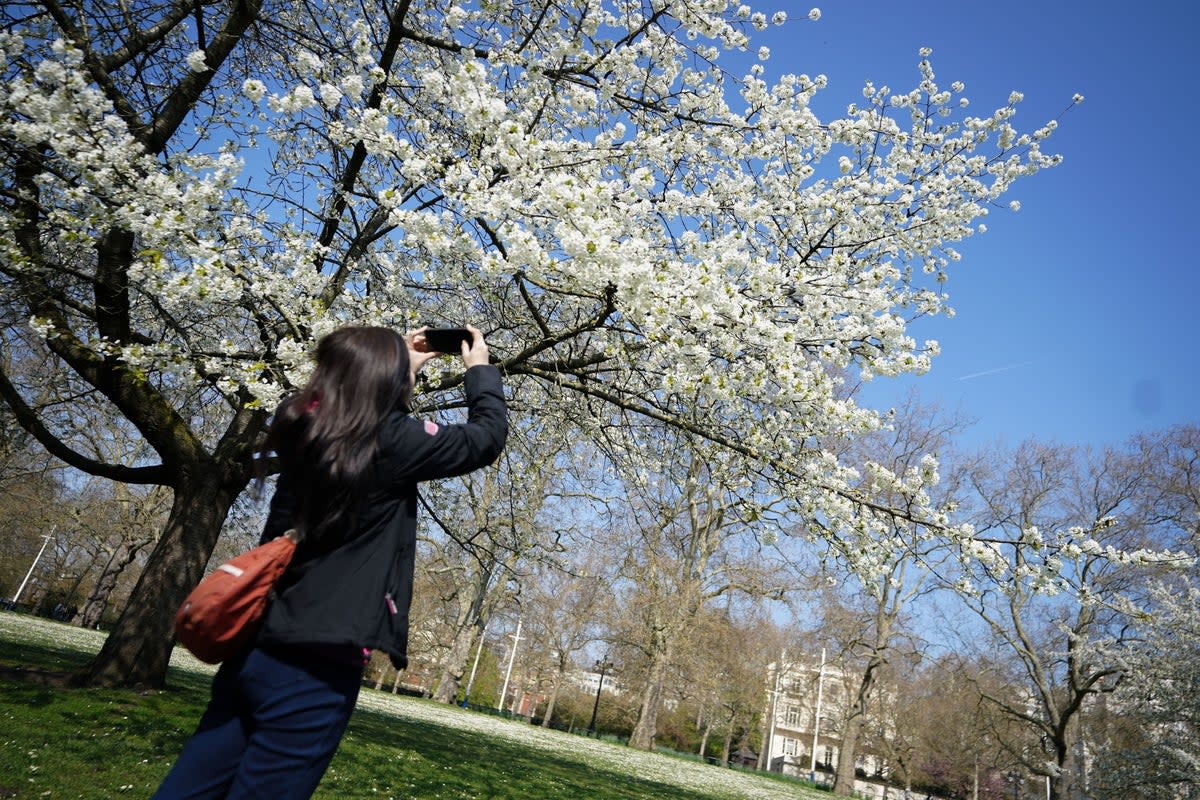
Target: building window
{"points": [[828, 760], [790, 746], [792, 716]]}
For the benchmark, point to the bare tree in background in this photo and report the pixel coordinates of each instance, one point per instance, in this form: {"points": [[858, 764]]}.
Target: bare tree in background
{"points": [[1060, 639], [690, 537], [866, 616], [564, 605], [488, 531]]}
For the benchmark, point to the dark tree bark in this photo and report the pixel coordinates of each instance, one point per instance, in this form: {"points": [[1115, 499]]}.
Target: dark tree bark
{"points": [[138, 650]]}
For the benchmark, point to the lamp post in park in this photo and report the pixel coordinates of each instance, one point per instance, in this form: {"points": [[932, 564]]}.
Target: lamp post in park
{"points": [[602, 666], [471, 681], [512, 655], [812, 769], [1014, 778], [45, 541]]}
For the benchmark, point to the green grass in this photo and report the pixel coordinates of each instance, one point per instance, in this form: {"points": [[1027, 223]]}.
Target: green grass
{"points": [[87, 743]]}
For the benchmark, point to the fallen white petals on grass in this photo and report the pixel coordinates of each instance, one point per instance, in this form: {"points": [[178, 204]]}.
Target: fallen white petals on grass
{"points": [[48, 633], [44, 632], [717, 782], [712, 780]]}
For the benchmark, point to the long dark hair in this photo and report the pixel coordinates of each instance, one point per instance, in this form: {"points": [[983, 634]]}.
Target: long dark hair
{"points": [[327, 434]]}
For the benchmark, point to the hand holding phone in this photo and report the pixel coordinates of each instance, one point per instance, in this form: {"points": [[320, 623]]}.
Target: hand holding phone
{"points": [[447, 340]]}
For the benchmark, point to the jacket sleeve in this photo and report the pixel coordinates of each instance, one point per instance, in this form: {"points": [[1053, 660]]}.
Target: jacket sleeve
{"points": [[427, 451], [282, 508]]}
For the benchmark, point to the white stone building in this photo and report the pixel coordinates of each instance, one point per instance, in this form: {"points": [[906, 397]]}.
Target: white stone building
{"points": [[807, 708]]}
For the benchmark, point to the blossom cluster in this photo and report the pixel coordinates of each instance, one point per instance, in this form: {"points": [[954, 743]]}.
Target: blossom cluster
{"points": [[593, 189]]}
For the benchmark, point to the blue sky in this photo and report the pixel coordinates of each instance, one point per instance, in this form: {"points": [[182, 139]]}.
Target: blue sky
{"points": [[1075, 314]]}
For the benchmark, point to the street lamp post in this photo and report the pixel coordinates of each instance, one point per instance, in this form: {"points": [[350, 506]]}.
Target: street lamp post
{"points": [[812, 767], [36, 559], [602, 666], [773, 707], [512, 655], [1014, 778], [474, 667]]}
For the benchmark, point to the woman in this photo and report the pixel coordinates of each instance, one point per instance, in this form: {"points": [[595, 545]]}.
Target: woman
{"points": [[351, 458]]}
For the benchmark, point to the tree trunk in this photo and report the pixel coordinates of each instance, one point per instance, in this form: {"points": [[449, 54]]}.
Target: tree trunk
{"points": [[843, 783], [764, 752], [93, 609], [1066, 784], [726, 747], [477, 599], [138, 650], [554, 690], [708, 726], [69, 600], [647, 722], [454, 665]]}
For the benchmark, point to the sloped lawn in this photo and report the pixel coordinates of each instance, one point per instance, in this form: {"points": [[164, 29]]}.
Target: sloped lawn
{"points": [[72, 743]]}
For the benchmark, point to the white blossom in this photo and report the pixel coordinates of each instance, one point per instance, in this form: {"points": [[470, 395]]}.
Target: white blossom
{"points": [[308, 62], [195, 61], [700, 228], [254, 89], [330, 95]]}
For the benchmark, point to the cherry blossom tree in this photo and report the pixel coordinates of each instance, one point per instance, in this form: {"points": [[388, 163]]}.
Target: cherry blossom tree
{"points": [[1159, 759], [1062, 605], [193, 192], [867, 617]]}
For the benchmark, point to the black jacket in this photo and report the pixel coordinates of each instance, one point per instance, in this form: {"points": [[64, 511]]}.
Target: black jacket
{"points": [[358, 593]]}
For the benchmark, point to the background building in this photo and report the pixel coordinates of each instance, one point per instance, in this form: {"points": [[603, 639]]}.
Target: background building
{"points": [[807, 707]]}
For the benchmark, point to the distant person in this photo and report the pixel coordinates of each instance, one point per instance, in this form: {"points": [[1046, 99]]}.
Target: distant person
{"points": [[351, 458]]}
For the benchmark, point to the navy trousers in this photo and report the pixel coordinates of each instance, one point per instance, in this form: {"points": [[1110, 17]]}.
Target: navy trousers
{"points": [[272, 726]]}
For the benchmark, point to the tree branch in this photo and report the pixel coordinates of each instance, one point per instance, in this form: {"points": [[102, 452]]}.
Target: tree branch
{"points": [[183, 97], [357, 158], [139, 41], [28, 419]]}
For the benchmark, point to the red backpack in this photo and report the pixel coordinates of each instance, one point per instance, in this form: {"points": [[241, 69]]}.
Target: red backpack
{"points": [[224, 611]]}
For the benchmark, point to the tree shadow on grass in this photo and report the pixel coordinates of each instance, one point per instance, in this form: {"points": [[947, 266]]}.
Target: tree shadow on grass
{"points": [[60, 665], [387, 756], [39, 664], [104, 738]]}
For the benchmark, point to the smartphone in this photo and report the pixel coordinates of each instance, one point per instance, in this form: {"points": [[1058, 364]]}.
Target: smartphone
{"points": [[447, 340]]}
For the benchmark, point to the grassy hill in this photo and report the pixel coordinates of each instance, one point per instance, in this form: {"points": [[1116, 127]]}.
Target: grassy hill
{"points": [[84, 743]]}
